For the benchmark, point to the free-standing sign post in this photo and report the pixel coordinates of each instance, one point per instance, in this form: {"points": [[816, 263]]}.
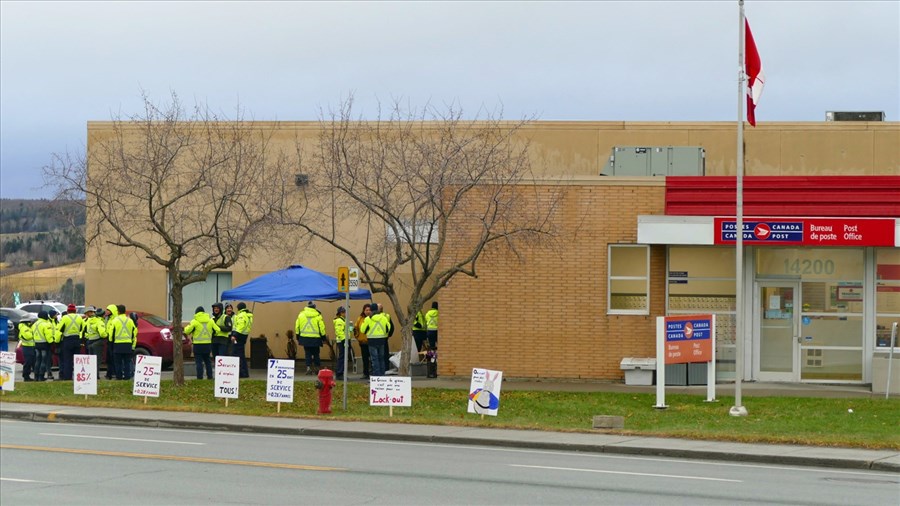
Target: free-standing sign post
{"points": [[7, 371], [683, 340], [280, 382], [348, 281], [390, 391], [227, 378], [85, 377], [147, 376], [484, 392], [892, 344]]}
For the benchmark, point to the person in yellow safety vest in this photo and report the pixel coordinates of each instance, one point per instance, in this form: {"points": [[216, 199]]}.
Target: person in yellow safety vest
{"points": [[26, 342], [363, 340], [310, 331], [94, 332], [111, 313], [43, 332], [70, 327], [123, 333], [377, 327], [243, 325], [201, 329], [431, 319], [387, 342], [340, 336], [419, 330], [55, 346], [221, 341]]}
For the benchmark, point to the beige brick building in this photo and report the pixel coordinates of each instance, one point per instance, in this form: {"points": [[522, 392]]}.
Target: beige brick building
{"points": [[557, 314]]}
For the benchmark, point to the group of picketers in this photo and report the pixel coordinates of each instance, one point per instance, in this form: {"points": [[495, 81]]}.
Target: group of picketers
{"points": [[222, 333], [372, 330], [66, 334]]}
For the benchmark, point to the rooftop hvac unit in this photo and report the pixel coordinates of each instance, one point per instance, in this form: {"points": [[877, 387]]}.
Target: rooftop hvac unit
{"points": [[854, 116], [656, 161]]}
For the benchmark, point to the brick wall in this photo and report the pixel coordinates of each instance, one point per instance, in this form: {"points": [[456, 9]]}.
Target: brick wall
{"points": [[541, 313]]}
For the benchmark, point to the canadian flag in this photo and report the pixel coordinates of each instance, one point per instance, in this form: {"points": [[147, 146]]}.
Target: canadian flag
{"points": [[756, 78]]}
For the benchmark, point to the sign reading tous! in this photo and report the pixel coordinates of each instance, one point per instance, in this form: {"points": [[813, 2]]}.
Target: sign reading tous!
{"points": [[227, 377]]}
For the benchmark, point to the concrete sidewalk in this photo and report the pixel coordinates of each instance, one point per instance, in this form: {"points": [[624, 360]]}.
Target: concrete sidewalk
{"points": [[881, 460]]}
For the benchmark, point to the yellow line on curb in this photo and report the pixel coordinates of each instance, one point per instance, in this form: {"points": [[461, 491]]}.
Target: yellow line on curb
{"points": [[51, 417], [170, 457]]}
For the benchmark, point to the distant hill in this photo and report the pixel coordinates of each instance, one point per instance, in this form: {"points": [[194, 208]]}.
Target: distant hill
{"points": [[39, 234], [63, 283], [21, 215]]}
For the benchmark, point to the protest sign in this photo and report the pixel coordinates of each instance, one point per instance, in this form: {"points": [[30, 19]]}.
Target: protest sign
{"points": [[85, 377], [7, 371], [147, 376], [390, 391], [484, 392], [227, 377], [280, 381]]}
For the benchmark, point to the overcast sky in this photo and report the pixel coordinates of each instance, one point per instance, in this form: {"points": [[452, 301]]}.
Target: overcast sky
{"points": [[65, 63]]}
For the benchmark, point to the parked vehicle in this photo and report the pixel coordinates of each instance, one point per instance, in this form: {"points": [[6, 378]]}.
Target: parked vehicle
{"points": [[154, 338], [36, 306], [16, 316]]}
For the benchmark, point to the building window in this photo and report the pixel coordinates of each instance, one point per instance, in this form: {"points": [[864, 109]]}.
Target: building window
{"points": [[700, 280], [887, 297], [204, 293], [629, 279], [424, 232]]}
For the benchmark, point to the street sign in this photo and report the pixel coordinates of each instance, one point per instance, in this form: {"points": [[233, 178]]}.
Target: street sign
{"points": [[343, 278], [354, 279]]}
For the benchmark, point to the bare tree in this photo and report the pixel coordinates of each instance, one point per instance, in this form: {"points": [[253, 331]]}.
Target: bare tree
{"points": [[389, 194], [189, 191]]}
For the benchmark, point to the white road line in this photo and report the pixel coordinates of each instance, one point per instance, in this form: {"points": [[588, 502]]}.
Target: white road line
{"points": [[123, 439], [23, 481], [631, 474], [475, 446]]}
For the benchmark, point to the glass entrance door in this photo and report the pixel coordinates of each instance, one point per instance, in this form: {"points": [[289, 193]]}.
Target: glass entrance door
{"points": [[777, 318]]}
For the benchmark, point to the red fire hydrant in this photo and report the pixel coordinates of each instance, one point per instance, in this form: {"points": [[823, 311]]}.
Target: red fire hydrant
{"points": [[324, 384]]}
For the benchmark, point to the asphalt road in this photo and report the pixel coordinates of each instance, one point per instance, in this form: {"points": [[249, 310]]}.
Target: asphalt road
{"points": [[43, 463]]}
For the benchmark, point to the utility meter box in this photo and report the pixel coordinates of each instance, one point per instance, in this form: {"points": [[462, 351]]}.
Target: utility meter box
{"points": [[638, 371], [656, 161]]}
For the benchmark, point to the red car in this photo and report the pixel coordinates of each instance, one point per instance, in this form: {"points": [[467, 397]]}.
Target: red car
{"points": [[154, 338]]}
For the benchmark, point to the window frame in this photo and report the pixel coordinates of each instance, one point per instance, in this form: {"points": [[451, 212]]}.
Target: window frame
{"points": [[610, 278], [892, 348]]}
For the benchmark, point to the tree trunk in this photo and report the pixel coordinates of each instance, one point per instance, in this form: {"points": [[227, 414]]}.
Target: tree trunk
{"points": [[405, 343], [177, 330]]}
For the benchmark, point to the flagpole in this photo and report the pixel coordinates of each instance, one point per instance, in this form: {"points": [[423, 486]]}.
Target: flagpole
{"points": [[738, 409]]}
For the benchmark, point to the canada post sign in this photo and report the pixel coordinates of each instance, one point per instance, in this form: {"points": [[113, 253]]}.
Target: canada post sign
{"points": [[808, 231], [688, 339]]}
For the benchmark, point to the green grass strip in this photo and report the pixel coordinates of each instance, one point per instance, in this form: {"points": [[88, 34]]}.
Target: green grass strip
{"points": [[873, 423]]}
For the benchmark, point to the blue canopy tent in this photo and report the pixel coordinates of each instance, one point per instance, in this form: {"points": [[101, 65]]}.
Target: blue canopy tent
{"points": [[294, 284]]}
